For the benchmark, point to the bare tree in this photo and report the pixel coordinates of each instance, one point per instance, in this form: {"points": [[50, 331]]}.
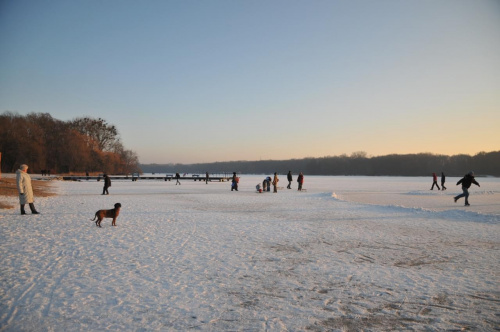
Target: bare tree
{"points": [[100, 135]]}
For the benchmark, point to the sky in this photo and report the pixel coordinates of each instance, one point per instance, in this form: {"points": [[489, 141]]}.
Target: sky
{"points": [[204, 81]]}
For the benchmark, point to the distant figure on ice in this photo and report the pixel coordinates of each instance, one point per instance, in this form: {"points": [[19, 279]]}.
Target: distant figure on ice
{"points": [[107, 184], [23, 181], [300, 180], [435, 181], [266, 184], [207, 176], [177, 177], [275, 182], [466, 182], [290, 179], [234, 182], [443, 179]]}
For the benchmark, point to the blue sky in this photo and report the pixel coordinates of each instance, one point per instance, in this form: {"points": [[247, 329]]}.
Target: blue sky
{"points": [[202, 81]]}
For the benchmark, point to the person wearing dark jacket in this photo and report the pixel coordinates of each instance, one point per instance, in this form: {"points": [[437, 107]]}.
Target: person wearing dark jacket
{"points": [[443, 179], [234, 182], [466, 182], [266, 184], [107, 184], [290, 179]]}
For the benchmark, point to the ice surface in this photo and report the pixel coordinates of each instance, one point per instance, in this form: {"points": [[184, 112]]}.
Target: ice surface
{"points": [[349, 253]]}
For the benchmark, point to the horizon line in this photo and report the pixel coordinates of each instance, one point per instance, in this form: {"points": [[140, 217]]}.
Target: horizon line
{"points": [[358, 154]]}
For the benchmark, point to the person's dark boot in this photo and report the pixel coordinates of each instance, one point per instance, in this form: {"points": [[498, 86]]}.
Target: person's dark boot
{"points": [[33, 210], [22, 209]]}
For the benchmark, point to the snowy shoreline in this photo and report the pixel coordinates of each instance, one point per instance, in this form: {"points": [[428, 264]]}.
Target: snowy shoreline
{"points": [[350, 253]]}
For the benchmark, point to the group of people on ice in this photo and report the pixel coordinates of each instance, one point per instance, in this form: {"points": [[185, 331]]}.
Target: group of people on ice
{"points": [[23, 181], [266, 184], [434, 181], [466, 182]]}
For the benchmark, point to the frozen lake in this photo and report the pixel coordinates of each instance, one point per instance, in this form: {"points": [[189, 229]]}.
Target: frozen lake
{"points": [[348, 254]]}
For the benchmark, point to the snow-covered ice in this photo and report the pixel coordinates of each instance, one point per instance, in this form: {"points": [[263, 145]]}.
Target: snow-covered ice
{"points": [[348, 254]]}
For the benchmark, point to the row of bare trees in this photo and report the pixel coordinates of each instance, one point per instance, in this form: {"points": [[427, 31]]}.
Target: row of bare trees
{"points": [[358, 163], [82, 145]]}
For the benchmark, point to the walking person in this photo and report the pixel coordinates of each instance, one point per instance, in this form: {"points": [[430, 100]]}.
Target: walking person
{"points": [[23, 181], [290, 179], [177, 177], [443, 179], [234, 182], [207, 176], [435, 181], [300, 180], [107, 184], [275, 182], [466, 182]]}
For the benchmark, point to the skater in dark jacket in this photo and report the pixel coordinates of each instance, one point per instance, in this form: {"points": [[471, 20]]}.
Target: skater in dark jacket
{"points": [[434, 181], [107, 184], [290, 179], [443, 179], [466, 182]]}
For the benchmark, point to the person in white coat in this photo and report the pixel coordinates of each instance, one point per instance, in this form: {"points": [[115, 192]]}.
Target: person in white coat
{"points": [[23, 181]]}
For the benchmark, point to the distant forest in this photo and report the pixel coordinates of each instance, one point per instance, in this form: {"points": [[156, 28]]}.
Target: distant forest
{"points": [[422, 164], [44, 143]]}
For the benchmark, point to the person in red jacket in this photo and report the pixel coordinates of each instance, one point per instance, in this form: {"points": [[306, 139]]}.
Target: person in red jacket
{"points": [[435, 181], [466, 182], [300, 180]]}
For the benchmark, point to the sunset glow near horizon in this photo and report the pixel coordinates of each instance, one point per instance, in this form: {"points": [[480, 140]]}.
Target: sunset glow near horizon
{"points": [[206, 81]]}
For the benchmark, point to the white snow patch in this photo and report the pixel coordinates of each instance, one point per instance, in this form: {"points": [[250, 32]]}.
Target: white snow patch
{"points": [[201, 257]]}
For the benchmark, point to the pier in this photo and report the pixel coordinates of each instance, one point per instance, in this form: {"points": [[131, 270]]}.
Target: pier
{"points": [[218, 177]]}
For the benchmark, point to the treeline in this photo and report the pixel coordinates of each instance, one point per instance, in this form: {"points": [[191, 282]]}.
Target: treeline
{"points": [[422, 164], [81, 145]]}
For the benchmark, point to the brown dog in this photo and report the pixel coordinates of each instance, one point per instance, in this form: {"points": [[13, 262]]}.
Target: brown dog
{"points": [[113, 213]]}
